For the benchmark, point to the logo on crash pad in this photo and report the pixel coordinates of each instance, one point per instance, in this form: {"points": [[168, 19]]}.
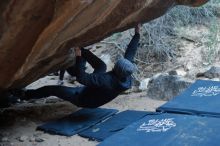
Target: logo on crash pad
{"points": [[157, 125], [206, 91]]}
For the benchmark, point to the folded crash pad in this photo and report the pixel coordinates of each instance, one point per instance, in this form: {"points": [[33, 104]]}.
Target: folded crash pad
{"points": [[77, 121], [201, 98], [114, 124], [168, 130]]}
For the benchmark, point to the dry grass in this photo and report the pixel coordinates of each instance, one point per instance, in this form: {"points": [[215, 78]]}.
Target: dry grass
{"points": [[160, 38]]}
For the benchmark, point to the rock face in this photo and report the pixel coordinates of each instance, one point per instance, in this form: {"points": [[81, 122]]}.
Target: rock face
{"points": [[36, 36]]}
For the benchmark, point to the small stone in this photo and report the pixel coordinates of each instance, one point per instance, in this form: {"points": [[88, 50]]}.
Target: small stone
{"points": [[172, 72], [39, 139], [181, 72], [205, 63], [188, 67], [32, 139], [144, 84], [22, 138]]}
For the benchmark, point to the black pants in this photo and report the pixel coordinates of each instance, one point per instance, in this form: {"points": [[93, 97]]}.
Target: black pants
{"points": [[72, 93]]}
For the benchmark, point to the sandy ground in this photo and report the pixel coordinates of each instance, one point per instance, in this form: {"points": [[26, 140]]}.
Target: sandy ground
{"points": [[19, 122]]}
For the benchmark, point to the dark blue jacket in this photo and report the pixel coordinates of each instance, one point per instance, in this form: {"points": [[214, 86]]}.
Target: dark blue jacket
{"points": [[99, 88]]}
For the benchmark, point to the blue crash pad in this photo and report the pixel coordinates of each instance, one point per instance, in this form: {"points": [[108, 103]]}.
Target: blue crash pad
{"points": [[114, 124], [77, 121], [168, 130], [201, 98]]}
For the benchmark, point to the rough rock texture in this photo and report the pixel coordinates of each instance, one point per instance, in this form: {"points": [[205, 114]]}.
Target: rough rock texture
{"points": [[213, 72], [166, 87], [36, 36]]}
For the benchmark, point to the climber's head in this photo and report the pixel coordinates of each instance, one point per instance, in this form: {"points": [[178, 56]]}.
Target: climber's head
{"points": [[124, 68]]}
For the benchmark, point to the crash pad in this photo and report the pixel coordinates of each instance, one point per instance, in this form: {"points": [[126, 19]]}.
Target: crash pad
{"points": [[168, 130], [201, 98], [114, 124], [78, 121]]}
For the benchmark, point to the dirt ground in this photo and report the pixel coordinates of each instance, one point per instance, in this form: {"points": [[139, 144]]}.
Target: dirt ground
{"points": [[18, 123]]}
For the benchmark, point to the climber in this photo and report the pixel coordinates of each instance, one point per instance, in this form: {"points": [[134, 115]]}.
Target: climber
{"points": [[98, 87]]}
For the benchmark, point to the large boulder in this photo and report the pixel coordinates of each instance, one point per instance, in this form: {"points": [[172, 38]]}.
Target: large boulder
{"points": [[166, 87], [36, 35], [213, 72]]}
